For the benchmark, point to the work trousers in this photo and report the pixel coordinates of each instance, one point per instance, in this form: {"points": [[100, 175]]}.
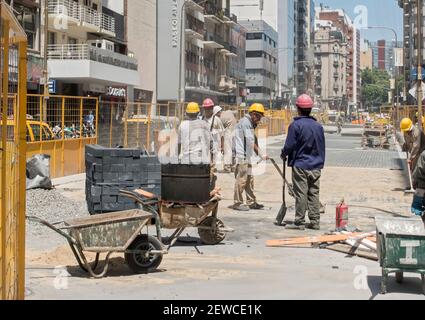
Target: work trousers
{"points": [[307, 192], [228, 148], [244, 183]]}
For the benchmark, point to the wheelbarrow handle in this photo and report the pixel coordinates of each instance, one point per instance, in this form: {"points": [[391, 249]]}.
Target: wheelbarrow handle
{"points": [[52, 227]]}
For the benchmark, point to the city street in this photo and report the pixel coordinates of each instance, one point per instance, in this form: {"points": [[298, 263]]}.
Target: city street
{"points": [[242, 267]]}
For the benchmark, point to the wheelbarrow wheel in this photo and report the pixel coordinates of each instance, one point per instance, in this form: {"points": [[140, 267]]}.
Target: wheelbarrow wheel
{"points": [[214, 235], [399, 277], [140, 262]]}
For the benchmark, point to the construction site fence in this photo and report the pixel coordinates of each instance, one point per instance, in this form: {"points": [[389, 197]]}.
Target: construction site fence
{"points": [[61, 127], [13, 67], [139, 125]]}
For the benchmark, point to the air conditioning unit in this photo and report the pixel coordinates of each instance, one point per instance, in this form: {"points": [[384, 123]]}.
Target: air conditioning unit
{"points": [[102, 44]]}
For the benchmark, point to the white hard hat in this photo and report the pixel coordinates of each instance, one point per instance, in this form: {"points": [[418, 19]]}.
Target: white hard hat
{"points": [[217, 109]]}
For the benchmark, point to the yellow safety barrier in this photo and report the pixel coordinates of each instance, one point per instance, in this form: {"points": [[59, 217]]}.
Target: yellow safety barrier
{"points": [[61, 126], [138, 125], [13, 44]]}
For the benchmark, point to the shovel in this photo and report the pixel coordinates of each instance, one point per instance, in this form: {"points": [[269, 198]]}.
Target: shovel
{"points": [[283, 209], [412, 190]]}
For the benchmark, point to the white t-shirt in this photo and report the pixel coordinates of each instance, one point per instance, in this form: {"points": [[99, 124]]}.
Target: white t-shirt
{"points": [[195, 138]]}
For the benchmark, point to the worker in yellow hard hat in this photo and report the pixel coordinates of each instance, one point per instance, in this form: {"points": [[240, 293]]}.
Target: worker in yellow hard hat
{"points": [[246, 147], [194, 138], [414, 143]]}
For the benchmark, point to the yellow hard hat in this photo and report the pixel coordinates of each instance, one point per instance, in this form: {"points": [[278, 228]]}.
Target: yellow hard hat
{"points": [[406, 125], [257, 107], [192, 108]]}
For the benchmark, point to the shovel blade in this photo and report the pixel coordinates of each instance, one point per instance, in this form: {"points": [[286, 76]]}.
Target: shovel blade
{"points": [[281, 215]]}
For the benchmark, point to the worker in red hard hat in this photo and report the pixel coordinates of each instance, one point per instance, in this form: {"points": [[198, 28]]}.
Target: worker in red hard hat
{"points": [[305, 151], [216, 128]]}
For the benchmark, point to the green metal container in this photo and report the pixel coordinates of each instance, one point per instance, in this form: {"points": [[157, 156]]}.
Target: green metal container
{"points": [[401, 248]]}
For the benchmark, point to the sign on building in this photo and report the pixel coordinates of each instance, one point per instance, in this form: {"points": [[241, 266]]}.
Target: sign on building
{"points": [[169, 14]]}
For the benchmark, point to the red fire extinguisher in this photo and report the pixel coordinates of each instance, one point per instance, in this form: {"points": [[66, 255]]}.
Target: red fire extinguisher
{"points": [[341, 215]]}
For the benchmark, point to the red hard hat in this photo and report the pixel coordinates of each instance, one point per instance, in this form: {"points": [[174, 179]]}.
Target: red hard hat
{"points": [[208, 103], [305, 102]]}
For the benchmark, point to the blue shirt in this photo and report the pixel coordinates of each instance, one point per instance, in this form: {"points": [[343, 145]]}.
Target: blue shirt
{"points": [[305, 145]]}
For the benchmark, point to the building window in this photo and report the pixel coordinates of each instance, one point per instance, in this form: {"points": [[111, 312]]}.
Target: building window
{"points": [[254, 36], [52, 38], [254, 54]]}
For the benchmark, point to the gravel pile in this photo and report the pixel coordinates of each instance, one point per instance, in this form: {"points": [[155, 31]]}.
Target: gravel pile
{"points": [[51, 206]]}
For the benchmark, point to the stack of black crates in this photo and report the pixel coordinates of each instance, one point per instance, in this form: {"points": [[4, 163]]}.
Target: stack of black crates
{"points": [[109, 170]]}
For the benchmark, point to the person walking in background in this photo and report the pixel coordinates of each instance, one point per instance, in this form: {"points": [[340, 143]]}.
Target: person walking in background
{"points": [[229, 122], [217, 130], [305, 151]]}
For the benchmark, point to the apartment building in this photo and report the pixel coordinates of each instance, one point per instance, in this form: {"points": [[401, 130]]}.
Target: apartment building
{"points": [[200, 52], [286, 31], [410, 35], [87, 49], [262, 68], [343, 23], [27, 13], [366, 59], [330, 66], [141, 36], [304, 39]]}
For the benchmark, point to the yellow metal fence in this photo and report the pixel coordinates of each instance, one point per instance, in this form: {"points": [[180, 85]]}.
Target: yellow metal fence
{"points": [[12, 150], [60, 127], [139, 124]]}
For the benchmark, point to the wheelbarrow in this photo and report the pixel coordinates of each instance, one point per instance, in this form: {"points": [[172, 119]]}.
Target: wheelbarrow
{"points": [[118, 232], [179, 216], [401, 248]]}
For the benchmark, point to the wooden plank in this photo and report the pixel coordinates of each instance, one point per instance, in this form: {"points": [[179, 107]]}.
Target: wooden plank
{"points": [[346, 248], [312, 240]]}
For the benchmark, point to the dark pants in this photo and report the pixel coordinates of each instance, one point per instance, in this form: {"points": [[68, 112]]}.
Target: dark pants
{"points": [[307, 192]]}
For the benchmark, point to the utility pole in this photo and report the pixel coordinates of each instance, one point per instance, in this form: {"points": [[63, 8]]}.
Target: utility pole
{"points": [[45, 71], [419, 45]]}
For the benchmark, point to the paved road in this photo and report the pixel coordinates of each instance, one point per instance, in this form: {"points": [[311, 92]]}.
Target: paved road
{"points": [[243, 267], [343, 151]]}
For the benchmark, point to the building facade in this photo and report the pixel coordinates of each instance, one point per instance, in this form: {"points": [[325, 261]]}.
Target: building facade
{"points": [[286, 50], [410, 39], [28, 13], [330, 66], [141, 37], [304, 51], [366, 59], [343, 23], [213, 45], [87, 49], [262, 68]]}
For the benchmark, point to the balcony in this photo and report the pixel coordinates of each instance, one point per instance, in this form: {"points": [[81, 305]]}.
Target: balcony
{"points": [[86, 63], [227, 84], [214, 41], [78, 17], [214, 14]]}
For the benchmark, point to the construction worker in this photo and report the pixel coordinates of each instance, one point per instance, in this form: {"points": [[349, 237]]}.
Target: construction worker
{"points": [[217, 130], [229, 122], [418, 176], [305, 150], [246, 147], [414, 141], [194, 138]]}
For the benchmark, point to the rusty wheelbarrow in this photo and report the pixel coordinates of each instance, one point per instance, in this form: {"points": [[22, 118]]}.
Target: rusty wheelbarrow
{"points": [[119, 232], [178, 217]]}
